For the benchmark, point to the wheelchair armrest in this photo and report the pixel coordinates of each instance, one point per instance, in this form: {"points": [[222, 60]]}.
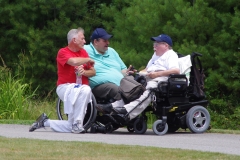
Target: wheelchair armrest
{"points": [[177, 76]]}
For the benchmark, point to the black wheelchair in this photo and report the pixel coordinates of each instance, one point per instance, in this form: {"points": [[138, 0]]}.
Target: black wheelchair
{"points": [[105, 123], [176, 103]]}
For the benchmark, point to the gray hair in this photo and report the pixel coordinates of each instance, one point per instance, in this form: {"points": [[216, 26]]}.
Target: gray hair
{"points": [[73, 34]]}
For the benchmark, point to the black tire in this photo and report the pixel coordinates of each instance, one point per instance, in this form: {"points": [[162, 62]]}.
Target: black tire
{"points": [[60, 110], [91, 114], [89, 117], [109, 128], [158, 127], [140, 126], [198, 119]]}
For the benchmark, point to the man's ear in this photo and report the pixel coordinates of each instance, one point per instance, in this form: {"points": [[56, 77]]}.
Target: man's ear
{"points": [[74, 40], [95, 41]]}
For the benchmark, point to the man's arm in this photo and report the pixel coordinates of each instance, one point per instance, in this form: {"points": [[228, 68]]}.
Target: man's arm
{"points": [[77, 61], [144, 70], [163, 73], [90, 72]]}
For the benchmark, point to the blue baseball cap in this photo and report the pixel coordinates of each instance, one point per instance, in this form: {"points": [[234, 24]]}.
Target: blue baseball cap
{"points": [[163, 38], [100, 33]]}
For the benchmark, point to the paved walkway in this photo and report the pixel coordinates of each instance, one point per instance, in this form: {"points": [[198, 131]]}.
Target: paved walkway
{"points": [[210, 142]]}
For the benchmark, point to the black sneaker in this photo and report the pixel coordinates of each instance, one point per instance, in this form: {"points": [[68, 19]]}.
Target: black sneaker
{"points": [[39, 122], [120, 110]]}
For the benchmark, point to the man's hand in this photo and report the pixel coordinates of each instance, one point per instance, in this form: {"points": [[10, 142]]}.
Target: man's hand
{"points": [[131, 70], [80, 70], [154, 74]]}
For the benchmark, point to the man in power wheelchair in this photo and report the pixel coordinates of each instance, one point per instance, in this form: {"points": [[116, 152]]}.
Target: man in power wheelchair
{"points": [[175, 102]]}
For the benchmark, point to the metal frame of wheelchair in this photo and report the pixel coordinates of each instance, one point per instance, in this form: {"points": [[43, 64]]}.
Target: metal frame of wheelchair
{"points": [[114, 121], [173, 105]]}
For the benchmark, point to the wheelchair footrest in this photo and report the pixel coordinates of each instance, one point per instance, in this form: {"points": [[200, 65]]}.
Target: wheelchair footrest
{"points": [[120, 118]]}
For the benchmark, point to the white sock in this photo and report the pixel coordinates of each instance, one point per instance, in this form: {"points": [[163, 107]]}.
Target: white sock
{"points": [[47, 123], [119, 103]]}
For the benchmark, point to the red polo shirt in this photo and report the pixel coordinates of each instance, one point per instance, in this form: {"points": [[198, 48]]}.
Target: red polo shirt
{"points": [[66, 72]]}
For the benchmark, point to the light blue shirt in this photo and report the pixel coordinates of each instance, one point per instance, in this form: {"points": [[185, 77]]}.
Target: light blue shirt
{"points": [[108, 66]]}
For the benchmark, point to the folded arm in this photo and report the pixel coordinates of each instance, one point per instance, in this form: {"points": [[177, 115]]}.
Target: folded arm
{"points": [[77, 61], [90, 72], [165, 73]]}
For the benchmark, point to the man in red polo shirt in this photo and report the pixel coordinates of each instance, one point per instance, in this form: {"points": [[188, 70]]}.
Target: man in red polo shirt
{"points": [[71, 60]]}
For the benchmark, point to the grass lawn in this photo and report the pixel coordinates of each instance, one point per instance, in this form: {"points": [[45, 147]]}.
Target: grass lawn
{"points": [[28, 149]]}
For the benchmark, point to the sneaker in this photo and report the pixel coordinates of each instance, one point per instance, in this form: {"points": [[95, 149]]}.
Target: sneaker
{"points": [[76, 129], [39, 122]]}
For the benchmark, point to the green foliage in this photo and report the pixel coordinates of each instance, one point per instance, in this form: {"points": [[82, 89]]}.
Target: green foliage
{"points": [[13, 96], [138, 21], [225, 121], [38, 29]]}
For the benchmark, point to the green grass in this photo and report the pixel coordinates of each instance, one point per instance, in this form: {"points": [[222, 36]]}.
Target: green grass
{"points": [[13, 121], [42, 149]]}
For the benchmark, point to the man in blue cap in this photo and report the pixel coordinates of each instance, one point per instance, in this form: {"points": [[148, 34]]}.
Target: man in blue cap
{"points": [[110, 69], [159, 68]]}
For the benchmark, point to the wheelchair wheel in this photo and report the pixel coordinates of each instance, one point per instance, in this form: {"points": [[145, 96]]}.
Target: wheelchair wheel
{"points": [[198, 119], [140, 126], [158, 127], [60, 110], [90, 115]]}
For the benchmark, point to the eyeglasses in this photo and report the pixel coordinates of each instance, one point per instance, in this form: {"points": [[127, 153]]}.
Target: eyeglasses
{"points": [[158, 43]]}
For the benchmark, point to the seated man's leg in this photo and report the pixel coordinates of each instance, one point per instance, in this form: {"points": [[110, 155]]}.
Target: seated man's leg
{"points": [[107, 91], [142, 102]]}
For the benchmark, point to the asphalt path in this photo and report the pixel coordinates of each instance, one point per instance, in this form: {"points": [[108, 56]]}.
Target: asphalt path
{"points": [[207, 142]]}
